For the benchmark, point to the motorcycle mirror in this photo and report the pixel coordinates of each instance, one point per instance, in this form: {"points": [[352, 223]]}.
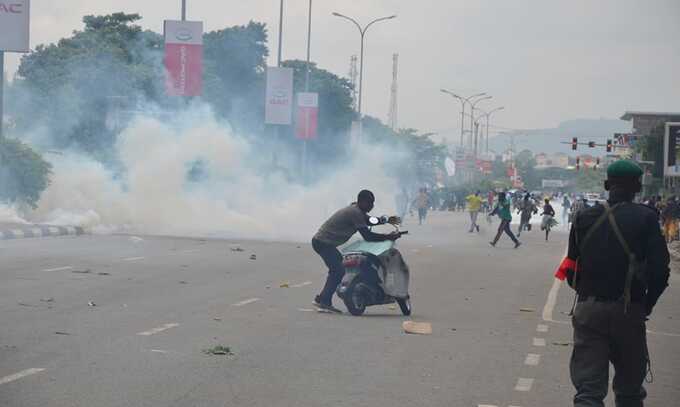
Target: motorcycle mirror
{"points": [[373, 220]]}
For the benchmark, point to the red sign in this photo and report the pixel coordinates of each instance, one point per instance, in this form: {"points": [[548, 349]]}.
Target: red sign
{"points": [[184, 58], [307, 116]]}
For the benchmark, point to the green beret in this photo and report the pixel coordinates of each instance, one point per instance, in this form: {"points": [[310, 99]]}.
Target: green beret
{"points": [[624, 168]]}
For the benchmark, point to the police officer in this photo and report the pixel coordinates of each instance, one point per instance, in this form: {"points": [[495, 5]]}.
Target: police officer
{"points": [[618, 264]]}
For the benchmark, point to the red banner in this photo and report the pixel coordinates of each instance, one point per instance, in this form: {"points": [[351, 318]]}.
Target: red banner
{"points": [[184, 58], [307, 116]]}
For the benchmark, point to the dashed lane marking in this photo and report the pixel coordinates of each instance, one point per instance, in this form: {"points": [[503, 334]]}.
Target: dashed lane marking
{"points": [[17, 376], [539, 341], [532, 359], [245, 302], [486, 405], [542, 328], [159, 329], [133, 258], [649, 331], [524, 384], [59, 268], [159, 351], [301, 284], [189, 251]]}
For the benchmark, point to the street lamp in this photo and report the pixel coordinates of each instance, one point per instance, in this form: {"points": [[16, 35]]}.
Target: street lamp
{"points": [[472, 115], [489, 113], [463, 101], [362, 32]]}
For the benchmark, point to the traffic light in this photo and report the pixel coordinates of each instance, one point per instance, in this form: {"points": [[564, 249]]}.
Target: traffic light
{"points": [[574, 143], [609, 145], [578, 163], [591, 144]]}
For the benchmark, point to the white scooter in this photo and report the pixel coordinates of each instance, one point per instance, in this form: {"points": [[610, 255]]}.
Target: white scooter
{"points": [[375, 274]]}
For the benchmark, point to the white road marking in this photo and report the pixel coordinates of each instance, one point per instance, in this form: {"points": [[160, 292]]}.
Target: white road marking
{"points": [[59, 268], [533, 359], [542, 328], [649, 331], [539, 341], [189, 251], [306, 310], [486, 405], [301, 284], [246, 302], [524, 384], [552, 300], [159, 351], [159, 329], [133, 258], [17, 376]]}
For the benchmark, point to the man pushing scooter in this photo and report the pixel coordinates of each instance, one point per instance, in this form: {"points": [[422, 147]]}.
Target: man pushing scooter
{"points": [[336, 231]]}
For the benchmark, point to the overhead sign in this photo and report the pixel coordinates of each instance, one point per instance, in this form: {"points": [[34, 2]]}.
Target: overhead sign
{"points": [[279, 96], [671, 156], [307, 115], [14, 25], [183, 57]]}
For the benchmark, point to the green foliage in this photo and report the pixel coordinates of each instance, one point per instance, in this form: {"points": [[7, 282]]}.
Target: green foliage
{"points": [[75, 83], [590, 180], [235, 61], [24, 175]]}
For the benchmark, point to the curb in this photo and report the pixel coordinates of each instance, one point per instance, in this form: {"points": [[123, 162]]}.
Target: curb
{"points": [[32, 231]]}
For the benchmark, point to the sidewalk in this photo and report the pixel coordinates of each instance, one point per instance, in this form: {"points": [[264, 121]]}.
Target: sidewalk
{"points": [[19, 230]]}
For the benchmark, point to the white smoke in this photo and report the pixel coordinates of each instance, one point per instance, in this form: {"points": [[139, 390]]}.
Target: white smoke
{"points": [[235, 197]]}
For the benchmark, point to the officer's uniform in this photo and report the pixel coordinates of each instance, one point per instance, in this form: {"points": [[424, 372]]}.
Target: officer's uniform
{"points": [[609, 325]]}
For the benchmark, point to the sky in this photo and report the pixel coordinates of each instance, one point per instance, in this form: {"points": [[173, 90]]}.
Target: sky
{"points": [[544, 61]]}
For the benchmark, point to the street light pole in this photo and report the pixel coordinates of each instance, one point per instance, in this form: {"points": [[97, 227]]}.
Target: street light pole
{"points": [[309, 47], [184, 10], [472, 114], [463, 101], [487, 124], [280, 33], [362, 32]]}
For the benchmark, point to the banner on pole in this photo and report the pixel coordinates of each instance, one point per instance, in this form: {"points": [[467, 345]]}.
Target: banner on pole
{"points": [[183, 57], [307, 115], [671, 162], [14, 25], [450, 166], [279, 96]]}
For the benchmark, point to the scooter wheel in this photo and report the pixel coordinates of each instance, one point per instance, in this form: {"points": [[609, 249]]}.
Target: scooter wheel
{"points": [[405, 305], [355, 298]]}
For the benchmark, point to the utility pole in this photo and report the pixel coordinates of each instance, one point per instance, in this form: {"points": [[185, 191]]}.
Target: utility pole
{"points": [[353, 76], [392, 116], [2, 91], [184, 10], [309, 45]]}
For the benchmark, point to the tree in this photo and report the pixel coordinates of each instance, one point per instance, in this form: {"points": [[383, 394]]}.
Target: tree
{"points": [[24, 175], [75, 84], [235, 62]]}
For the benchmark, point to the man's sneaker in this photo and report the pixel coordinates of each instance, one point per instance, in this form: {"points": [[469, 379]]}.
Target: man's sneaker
{"points": [[492, 244], [325, 307], [518, 244]]}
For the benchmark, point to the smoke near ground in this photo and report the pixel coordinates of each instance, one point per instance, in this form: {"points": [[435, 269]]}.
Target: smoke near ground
{"points": [[191, 175]]}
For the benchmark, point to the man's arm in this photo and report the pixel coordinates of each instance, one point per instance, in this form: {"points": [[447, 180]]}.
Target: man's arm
{"points": [[658, 259], [370, 236]]}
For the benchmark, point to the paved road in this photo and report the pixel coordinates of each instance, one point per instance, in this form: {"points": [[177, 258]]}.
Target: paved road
{"points": [[159, 302]]}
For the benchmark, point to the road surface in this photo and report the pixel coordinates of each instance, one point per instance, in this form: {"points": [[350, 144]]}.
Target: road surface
{"points": [[123, 321]]}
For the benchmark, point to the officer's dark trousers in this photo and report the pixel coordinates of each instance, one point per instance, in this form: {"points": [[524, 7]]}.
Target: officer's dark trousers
{"points": [[333, 259], [603, 334]]}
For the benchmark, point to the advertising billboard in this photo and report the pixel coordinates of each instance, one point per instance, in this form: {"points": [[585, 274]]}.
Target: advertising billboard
{"points": [[14, 25], [279, 96], [307, 115], [183, 57], [671, 156]]}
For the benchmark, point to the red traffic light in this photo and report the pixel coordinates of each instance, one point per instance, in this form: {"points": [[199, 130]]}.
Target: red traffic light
{"points": [[574, 143]]}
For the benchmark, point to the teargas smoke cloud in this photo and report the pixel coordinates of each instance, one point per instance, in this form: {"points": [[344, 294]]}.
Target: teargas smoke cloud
{"points": [[232, 195]]}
